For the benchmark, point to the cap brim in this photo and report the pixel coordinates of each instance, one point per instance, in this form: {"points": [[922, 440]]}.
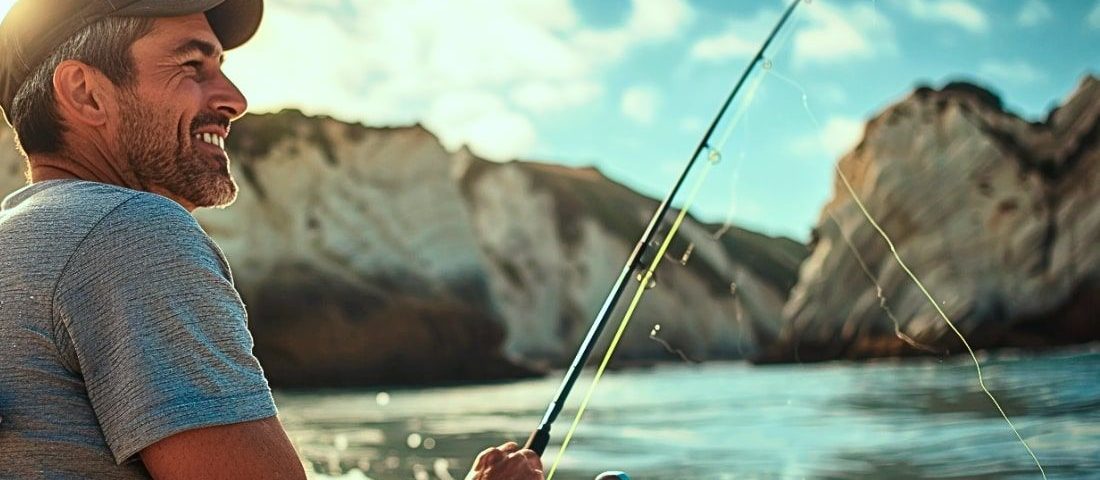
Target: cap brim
{"points": [[233, 21]]}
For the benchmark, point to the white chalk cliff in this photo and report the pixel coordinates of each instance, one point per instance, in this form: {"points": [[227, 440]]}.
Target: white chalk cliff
{"points": [[374, 255]]}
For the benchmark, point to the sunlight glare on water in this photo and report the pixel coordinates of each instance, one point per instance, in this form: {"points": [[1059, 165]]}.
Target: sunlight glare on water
{"points": [[888, 419]]}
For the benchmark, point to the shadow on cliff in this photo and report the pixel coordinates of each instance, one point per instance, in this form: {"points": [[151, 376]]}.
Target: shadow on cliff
{"points": [[312, 330]]}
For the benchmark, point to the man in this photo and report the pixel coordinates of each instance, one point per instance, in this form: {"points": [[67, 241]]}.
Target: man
{"points": [[124, 351]]}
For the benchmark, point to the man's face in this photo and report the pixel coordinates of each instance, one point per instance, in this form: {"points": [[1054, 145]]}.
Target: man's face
{"points": [[175, 118]]}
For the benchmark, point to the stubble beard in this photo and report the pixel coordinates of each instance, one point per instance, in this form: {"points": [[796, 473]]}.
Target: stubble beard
{"points": [[180, 167]]}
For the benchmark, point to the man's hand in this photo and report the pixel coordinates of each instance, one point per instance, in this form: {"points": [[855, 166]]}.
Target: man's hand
{"points": [[506, 462]]}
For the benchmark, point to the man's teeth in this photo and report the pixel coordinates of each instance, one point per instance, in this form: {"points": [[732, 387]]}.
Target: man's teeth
{"points": [[212, 139]]}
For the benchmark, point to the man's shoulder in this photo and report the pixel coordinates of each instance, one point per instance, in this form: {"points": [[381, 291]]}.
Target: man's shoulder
{"points": [[67, 194], [141, 231], [149, 224], [109, 221], [111, 210], [77, 203], [143, 211]]}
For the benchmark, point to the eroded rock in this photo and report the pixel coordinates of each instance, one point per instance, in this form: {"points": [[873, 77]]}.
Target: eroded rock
{"points": [[998, 217]]}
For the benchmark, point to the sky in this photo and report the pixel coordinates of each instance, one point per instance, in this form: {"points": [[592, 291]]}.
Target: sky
{"points": [[630, 86]]}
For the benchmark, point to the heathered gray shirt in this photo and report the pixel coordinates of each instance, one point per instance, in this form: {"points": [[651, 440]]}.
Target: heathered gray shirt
{"points": [[119, 326]]}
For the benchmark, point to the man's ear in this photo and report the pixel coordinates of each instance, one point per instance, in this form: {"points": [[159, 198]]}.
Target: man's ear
{"points": [[82, 93]]}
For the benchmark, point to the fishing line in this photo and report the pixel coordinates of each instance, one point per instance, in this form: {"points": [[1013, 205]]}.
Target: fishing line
{"points": [[668, 347], [540, 437], [642, 288], [879, 291], [912, 276], [714, 156], [727, 223]]}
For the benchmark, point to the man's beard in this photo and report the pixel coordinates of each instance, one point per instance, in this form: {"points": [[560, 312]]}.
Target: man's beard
{"points": [[180, 168]]}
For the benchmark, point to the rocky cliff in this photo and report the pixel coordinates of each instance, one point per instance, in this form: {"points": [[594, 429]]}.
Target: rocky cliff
{"points": [[374, 255], [997, 216]]}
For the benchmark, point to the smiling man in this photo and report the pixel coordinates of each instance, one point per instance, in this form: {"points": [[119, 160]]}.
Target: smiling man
{"points": [[124, 351], [124, 347]]}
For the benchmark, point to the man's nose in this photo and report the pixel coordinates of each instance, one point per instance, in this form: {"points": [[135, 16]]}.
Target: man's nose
{"points": [[226, 98]]}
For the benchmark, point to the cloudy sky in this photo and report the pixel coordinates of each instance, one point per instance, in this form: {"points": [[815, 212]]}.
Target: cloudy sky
{"points": [[629, 86]]}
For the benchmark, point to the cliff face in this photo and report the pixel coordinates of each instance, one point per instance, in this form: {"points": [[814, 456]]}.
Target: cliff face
{"points": [[997, 216], [354, 254], [369, 256], [556, 238], [378, 254]]}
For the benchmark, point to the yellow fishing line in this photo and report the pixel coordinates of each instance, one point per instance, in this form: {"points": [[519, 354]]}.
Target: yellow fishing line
{"points": [[878, 290], [713, 157], [919, 284], [977, 365], [642, 288], [742, 112]]}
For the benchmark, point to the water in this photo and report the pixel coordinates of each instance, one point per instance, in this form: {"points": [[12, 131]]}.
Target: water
{"points": [[892, 419]]}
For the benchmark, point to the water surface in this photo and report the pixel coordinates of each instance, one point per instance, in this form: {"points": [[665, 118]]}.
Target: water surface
{"points": [[910, 419]]}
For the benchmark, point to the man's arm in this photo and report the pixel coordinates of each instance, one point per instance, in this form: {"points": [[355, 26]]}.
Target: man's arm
{"points": [[256, 449]]}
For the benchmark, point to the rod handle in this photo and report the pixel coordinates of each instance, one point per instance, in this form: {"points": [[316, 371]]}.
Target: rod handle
{"points": [[538, 440]]}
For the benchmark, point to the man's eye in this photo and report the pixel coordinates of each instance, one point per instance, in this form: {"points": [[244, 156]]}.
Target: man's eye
{"points": [[196, 64]]}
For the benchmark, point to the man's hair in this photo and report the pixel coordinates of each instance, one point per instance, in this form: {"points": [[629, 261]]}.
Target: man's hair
{"points": [[105, 46]]}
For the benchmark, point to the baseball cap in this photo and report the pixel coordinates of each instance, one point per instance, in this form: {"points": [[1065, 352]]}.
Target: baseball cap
{"points": [[32, 29]]}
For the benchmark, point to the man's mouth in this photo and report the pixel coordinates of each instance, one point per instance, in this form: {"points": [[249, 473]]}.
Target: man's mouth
{"points": [[211, 138]]}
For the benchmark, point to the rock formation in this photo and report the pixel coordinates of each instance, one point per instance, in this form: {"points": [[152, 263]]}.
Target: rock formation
{"points": [[374, 256], [997, 216]]}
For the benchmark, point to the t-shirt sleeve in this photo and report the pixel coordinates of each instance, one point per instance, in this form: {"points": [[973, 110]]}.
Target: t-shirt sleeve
{"points": [[159, 333]]}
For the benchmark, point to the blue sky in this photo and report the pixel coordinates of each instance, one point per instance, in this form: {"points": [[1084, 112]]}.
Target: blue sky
{"points": [[629, 86]]}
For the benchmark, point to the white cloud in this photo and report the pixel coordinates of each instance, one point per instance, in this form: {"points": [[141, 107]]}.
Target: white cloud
{"points": [[659, 19], [836, 33], [1033, 13], [832, 94], [831, 33], [837, 136], [1016, 72], [1094, 16], [650, 20], [641, 104], [741, 38], [722, 47], [483, 122], [387, 62], [280, 69], [957, 12], [328, 4], [543, 97]]}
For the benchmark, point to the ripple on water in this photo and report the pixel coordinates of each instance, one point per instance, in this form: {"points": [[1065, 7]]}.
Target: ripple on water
{"points": [[904, 419]]}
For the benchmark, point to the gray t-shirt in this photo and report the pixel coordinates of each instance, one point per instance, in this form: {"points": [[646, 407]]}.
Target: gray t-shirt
{"points": [[119, 326]]}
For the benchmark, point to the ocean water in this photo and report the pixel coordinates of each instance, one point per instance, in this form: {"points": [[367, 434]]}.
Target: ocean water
{"points": [[903, 419]]}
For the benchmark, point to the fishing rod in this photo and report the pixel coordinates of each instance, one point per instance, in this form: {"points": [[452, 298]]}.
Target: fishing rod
{"points": [[540, 437]]}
